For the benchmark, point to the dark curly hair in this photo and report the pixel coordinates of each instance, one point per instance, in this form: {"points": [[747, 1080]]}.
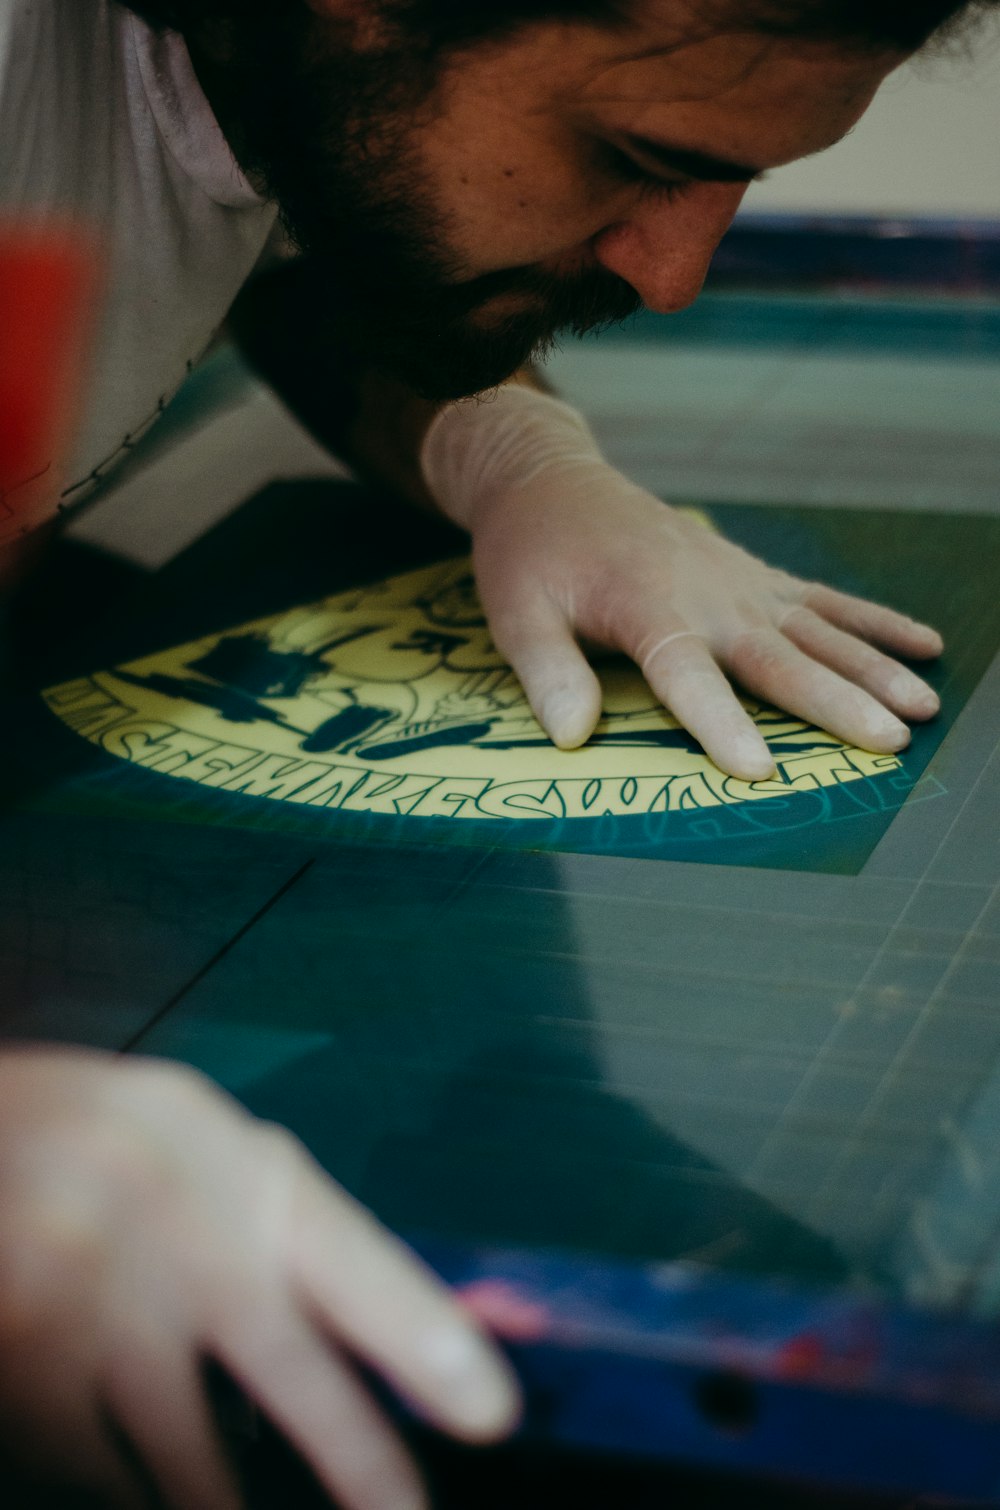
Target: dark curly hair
{"points": [[903, 25]]}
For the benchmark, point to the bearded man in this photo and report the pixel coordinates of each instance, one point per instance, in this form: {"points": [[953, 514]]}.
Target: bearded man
{"points": [[462, 183], [459, 182]]}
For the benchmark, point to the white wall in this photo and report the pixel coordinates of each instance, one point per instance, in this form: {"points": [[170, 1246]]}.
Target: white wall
{"points": [[929, 145]]}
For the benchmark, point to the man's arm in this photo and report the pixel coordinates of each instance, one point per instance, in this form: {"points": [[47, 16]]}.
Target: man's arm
{"points": [[567, 550]]}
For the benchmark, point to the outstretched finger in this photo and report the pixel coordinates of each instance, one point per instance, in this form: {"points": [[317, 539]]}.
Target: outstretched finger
{"points": [[382, 1302], [682, 672], [769, 666], [154, 1393], [893, 685], [313, 1396], [872, 621], [560, 685]]}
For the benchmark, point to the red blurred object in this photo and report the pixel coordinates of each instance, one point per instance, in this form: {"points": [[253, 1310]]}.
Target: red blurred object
{"points": [[49, 286], [500, 1307]]}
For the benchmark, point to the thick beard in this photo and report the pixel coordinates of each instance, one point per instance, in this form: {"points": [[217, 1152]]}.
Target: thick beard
{"points": [[326, 132]]}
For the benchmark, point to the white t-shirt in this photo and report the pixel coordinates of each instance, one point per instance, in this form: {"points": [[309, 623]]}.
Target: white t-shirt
{"points": [[105, 119]]}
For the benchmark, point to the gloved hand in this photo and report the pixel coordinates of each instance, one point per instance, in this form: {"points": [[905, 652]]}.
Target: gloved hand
{"points": [[566, 549], [147, 1222]]}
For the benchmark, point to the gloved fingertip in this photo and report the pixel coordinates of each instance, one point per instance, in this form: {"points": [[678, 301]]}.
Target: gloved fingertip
{"points": [[568, 719], [751, 760], [930, 645], [889, 735], [483, 1398], [910, 695], [763, 771]]}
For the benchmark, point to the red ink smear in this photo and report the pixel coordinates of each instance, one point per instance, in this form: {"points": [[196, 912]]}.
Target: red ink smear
{"points": [[801, 1356], [500, 1308]]}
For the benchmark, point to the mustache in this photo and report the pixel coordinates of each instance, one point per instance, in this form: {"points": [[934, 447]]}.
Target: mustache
{"points": [[441, 338], [447, 354], [443, 352], [579, 302]]}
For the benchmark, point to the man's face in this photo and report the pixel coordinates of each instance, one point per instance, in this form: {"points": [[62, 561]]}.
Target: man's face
{"points": [[463, 210]]}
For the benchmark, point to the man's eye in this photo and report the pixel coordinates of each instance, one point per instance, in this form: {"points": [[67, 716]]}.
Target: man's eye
{"points": [[627, 170]]}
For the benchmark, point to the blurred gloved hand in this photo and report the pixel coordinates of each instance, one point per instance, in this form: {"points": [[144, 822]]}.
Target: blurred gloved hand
{"points": [[566, 549], [148, 1223]]}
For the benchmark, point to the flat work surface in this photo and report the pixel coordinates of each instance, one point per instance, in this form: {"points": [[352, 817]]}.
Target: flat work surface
{"points": [[774, 1052], [885, 402], [781, 1062]]}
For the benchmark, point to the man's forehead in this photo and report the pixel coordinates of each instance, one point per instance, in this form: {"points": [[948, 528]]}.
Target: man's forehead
{"points": [[672, 43], [657, 61], [658, 66]]}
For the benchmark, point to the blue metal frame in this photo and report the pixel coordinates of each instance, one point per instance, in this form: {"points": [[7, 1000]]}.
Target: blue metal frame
{"points": [[678, 1363]]}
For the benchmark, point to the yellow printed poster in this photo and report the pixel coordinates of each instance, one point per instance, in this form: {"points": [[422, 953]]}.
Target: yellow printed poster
{"points": [[392, 699]]}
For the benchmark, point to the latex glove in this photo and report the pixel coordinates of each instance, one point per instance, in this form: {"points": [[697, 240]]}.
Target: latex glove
{"points": [[565, 548], [148, 1222]]}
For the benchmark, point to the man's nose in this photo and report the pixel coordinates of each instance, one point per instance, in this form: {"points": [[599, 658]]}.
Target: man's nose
{"points": [[664, 246]]}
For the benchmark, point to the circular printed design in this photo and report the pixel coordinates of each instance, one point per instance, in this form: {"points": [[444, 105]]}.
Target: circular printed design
{"points": [[392, 699]]}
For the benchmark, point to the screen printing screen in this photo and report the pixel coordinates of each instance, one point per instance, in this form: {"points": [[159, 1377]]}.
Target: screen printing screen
{"points": [[283, 814]]}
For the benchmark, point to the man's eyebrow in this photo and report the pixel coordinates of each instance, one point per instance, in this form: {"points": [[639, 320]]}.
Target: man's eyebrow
{"points": [[693, 164]]}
